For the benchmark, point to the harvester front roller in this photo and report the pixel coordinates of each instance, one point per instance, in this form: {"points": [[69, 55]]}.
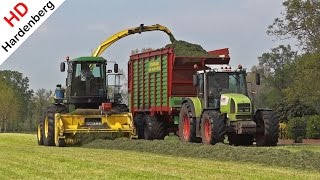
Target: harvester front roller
{"points": [[90, 121]]}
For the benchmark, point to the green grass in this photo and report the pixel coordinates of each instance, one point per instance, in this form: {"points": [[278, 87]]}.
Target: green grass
{"points": [[21, 158], [297, 148]]}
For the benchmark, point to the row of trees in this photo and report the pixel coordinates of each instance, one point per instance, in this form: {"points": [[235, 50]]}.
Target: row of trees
{"points": [[290, 79], [20, 107]]}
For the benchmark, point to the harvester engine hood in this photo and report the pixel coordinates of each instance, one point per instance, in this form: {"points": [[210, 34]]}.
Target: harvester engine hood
{"points": [[237, 106]]}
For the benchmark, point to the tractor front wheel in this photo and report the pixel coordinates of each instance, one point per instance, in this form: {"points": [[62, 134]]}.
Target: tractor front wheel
{"points": [[267, 128], [212, 127]]}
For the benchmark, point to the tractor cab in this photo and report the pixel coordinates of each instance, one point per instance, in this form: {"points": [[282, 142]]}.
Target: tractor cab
{"points": [[218, 80], [86, 82]]}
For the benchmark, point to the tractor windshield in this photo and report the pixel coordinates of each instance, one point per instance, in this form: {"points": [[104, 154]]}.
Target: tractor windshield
{"points": [[88, 79], [222, 82]]}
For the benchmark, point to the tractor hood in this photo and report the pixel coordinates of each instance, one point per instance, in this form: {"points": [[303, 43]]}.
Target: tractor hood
{"points": [[235, 105]]}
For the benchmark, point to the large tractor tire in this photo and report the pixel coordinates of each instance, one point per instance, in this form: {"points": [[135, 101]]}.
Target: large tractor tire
{"points": [[49, 123], [212, 127], [139, 121], [40, 131], [241, 139], [187, 124], [267, 128], [160, 129]]}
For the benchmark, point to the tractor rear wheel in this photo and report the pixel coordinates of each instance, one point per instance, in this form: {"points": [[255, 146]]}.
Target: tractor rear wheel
{"points": [[160, 128], [40, 131], [187, 124], [49, 124], [138, 121], [267, 128], [212, 127]]}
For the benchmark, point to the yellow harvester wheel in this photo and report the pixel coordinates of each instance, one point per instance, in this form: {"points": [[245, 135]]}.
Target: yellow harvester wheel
{"points": [[40, 132]]}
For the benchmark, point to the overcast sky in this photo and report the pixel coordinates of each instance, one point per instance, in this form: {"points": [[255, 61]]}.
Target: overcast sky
{"points": [[78, 27]]}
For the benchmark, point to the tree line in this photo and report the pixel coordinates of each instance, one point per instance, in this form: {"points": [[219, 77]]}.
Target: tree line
{"points": [[20, 106], [290, 79]]}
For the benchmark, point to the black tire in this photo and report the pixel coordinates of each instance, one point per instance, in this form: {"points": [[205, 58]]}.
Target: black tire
{"points": [[138, 121], [241, 139], [149, 127], [267, 128], [40, 131], [212, 127], [49, 124], [187, 124], [160, 129]]}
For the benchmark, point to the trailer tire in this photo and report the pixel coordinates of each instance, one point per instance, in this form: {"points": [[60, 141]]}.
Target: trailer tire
{"points": [[160, 129], [40, 131], [49, 123], [149, 127], [212, 127], [267, 128], [187, 124], [138, 121]]}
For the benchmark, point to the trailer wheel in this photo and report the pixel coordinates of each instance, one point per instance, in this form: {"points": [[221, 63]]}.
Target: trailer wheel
{"points": [[187, 124], [149, 127], [212, 127], [49, 123], [267, 128], [138, 121], [160, 128], [241, 139], [40, 131]]}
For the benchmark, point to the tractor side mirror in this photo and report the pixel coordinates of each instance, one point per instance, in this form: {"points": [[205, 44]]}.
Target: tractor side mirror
{"points": [[116, 68], [62, 67], [257, 79], [195, 80]]}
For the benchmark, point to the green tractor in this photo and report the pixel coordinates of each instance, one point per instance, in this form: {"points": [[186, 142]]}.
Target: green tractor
{"points": [[223, 109], [85, 106]]}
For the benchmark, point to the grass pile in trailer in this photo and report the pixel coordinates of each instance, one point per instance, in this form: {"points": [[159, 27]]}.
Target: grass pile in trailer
{"points": [[183, 48]]}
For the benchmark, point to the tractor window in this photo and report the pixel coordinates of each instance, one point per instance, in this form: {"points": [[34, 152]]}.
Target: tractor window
{"points": [[96, 71], [88, 79], [226, 83], [219, 83], [237, 83]]}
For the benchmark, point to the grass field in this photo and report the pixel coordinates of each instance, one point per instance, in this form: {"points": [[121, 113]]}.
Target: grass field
{"points": [[21, 158]]}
